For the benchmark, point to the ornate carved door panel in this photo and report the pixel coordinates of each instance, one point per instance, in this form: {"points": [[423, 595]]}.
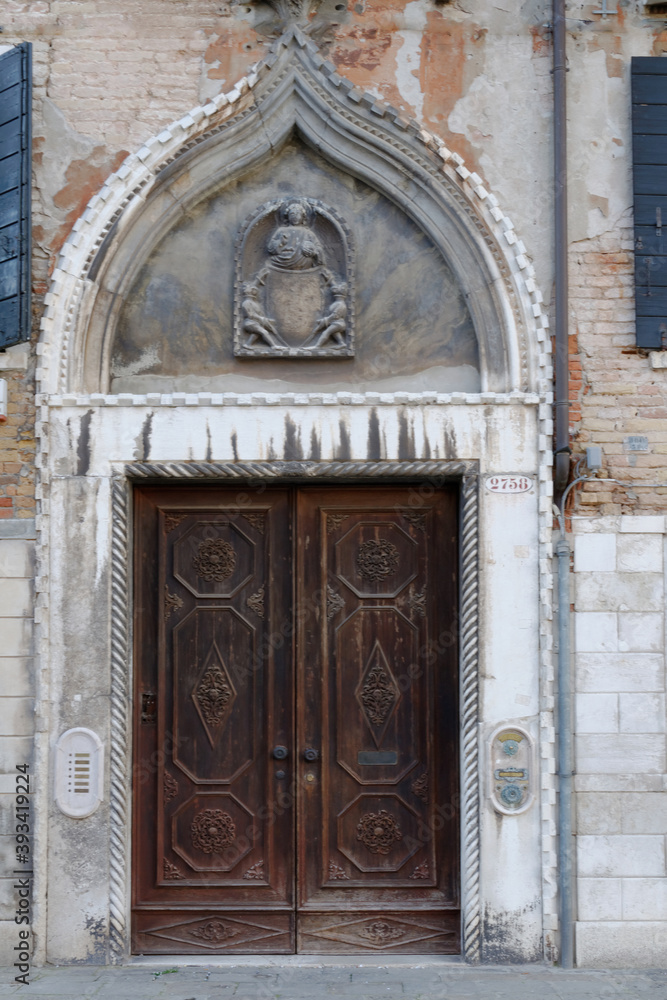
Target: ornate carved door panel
{"points": [[378, 816], [219, 779], [213, 848]]}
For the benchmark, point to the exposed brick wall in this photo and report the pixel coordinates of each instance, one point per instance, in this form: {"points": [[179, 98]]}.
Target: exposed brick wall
{"points": [[613, 390], [17, 448]]}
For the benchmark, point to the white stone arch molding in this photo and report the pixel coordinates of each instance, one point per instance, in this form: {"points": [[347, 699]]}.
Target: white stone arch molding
{"points": [[294, 89], [432, 473]]}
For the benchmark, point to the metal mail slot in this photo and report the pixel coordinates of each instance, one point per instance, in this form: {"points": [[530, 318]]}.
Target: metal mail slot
{"points": [[377, 757]]}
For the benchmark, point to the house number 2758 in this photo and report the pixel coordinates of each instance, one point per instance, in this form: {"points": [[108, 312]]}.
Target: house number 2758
{"points": [[509, 484]]}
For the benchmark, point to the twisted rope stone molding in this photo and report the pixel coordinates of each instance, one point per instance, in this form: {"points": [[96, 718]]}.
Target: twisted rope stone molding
{"points": [[299, 470], [119, 755], [469, 687], [434, 473]]}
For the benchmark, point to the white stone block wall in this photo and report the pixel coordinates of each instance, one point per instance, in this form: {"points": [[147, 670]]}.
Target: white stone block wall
{"points": [[16, 704], [620, 731]]}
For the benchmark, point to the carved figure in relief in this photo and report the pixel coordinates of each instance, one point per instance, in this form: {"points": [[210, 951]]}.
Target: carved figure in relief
{"points": [[255, 323], [334, 324], [294, 246], [294, 282]]}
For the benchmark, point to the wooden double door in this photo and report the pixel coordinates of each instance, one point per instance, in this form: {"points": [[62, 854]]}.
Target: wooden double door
{"points": [[296, 722]]}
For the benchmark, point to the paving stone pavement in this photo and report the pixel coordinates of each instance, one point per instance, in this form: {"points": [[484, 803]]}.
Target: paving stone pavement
{"points": [[426, 980]]}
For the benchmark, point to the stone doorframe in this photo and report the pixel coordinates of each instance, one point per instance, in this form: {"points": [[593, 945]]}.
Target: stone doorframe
{"points": [[508, 430], [431, 473]]}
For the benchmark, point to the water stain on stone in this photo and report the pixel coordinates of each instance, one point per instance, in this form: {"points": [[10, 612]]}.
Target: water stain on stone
{"points": [[293, 449], [146, 436], [83, 446], [343, 452], [315, 447], [374, 448], [406, 438]]}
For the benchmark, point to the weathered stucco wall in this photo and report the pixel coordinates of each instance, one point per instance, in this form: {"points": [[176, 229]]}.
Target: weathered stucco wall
{"points": [[109, 75]]}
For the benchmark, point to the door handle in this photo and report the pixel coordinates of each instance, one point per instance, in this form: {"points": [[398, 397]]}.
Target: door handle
{"points": [[310, 754], [280, 753]]}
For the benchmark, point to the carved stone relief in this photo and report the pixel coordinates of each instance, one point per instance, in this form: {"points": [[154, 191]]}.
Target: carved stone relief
{"points": [[294, 286], [178, 323]]}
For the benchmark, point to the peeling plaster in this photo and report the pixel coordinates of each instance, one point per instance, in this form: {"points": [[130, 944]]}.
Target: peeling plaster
{"points": [[69, 168], [408, 59]]}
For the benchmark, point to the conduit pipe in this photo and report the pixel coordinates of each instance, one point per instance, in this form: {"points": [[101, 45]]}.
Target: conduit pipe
{"points": [[561, 475], [562, 401], [565, 750]]}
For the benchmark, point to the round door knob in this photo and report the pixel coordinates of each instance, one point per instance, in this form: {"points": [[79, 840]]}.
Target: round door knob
{"points": [[280, 753], [310, 754]]}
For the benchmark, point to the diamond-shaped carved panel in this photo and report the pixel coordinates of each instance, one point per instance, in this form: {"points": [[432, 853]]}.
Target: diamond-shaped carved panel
{"points": [[377, 693], [378, 732], [376, 559], [415, 933], [214, 695], [214, 559], [213, 932]]}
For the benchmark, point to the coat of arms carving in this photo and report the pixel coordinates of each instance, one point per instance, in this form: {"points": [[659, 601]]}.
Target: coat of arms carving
{"points": [[293, 294]]}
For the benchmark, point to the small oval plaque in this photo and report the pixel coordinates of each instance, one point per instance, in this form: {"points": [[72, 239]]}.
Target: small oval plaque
{"points": [[509, 484], [79, 772]]}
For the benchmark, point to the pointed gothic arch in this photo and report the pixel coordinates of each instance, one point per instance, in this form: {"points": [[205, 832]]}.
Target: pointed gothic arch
{"points": [[294, 92]]}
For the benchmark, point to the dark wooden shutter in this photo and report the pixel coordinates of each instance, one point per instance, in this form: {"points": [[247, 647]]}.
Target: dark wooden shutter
{"points": [[15, 107], [649, 156]]}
